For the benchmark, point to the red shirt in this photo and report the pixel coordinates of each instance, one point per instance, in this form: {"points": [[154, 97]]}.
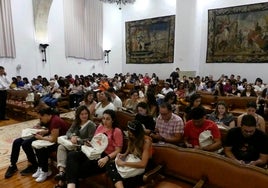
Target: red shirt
{"points": [[57, 123], [146, 80], [192, 132]]}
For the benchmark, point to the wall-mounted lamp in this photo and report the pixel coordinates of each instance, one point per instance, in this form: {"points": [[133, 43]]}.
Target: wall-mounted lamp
{"points": [[43, 47], [106, 55]]}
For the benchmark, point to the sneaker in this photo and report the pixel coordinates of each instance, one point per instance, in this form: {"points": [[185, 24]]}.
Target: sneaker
{"points": [[37, 173], [29, 170], [43, 176], [11, 171]]}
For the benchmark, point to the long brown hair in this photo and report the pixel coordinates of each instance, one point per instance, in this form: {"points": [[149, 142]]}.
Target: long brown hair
{"points": [[135, 144], [223, 104], [78, 112]]}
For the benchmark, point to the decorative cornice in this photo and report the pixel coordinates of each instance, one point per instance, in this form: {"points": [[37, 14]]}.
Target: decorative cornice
{"points": [[119, 1]]}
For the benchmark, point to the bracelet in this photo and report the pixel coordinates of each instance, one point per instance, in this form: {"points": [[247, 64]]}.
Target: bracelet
{"points": [[109, 158]]}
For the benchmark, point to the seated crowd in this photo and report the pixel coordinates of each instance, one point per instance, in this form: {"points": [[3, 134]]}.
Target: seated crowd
{"points": [[75, 88], [95, 99]]}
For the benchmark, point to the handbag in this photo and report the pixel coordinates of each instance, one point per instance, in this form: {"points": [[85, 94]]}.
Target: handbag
{"points": [[206, 138], [127, 172], [98, 144], [28, 133], [38, 144], [63, 140]]}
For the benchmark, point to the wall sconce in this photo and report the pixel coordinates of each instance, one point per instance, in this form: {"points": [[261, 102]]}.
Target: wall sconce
{"points": [[43, 47], [106, 55]]}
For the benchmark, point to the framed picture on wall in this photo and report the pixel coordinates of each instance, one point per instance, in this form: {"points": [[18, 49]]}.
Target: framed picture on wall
{"points": [[150, 41], [238, 34]]}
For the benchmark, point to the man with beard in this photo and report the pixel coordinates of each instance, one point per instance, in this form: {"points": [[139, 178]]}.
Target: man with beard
{"points": [[247, 144]]}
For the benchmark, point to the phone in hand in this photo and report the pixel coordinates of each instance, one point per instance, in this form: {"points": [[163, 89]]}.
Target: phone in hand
{"points": [[87, 143]]}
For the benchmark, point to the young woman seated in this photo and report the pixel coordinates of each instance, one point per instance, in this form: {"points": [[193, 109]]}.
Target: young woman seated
{"points": [[195, 101], [140, 146], [249, 91], [221, 116], [80, 166], [146, 119], [132, 102], [89, 102], [150, 100], [81, 130]]}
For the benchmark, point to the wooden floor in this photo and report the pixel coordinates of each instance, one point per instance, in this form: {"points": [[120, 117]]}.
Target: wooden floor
{"points": [[19, 181], [14, 118], [8, 122]]}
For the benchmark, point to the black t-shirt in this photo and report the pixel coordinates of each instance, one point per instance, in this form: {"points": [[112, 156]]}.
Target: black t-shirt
{"points": [[147, 121], [246, 149], [174, 75]]}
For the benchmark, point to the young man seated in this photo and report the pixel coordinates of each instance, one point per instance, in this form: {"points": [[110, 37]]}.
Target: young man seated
{"points": [[247, 144], [197, 126]]}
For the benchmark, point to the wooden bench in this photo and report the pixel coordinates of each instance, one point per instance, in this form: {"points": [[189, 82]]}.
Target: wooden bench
{"points": [[100, 180], [63, 104], [17, 102], [184, 167], [123, 118], [208, 102], [126, 89], [236, 105]]}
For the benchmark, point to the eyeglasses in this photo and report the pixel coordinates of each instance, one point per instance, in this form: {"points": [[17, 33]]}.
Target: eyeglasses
{"points": [[165, 114]]}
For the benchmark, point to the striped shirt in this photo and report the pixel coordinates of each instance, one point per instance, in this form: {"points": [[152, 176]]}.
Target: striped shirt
{"points": [[167, 129]]}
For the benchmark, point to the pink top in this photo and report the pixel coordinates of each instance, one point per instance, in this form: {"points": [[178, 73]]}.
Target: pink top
{"points": [[115, 138]]}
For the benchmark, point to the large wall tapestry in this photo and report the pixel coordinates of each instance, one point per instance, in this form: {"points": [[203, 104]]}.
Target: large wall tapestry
{"points": [[238, 34], [150, 41]]}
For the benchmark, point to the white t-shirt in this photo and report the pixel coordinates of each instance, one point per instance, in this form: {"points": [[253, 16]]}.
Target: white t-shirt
{"points": [[99, 109], [165, 91], [117, 103], [4, 82]]}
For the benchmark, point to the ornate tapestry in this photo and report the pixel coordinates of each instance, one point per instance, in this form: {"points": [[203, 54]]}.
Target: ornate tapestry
{"points": [[238, 34], [150, 41]]}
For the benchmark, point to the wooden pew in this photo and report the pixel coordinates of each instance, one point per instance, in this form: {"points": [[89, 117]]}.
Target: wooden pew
{"points": [[17, 102], [184, 167], [236, 105]]}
